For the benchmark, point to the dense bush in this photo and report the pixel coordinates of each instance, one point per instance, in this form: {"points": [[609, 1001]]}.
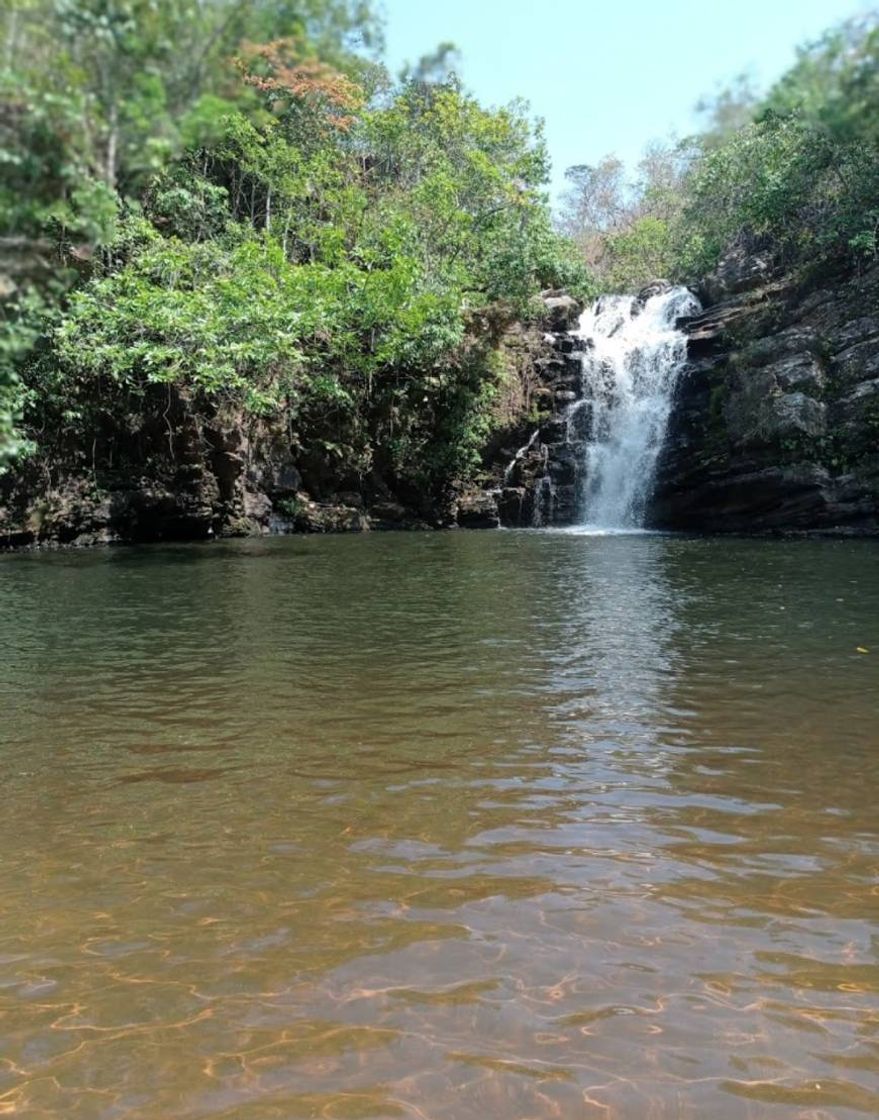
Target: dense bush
{"points": [[343, 260], [786, 184], [796, 172]]}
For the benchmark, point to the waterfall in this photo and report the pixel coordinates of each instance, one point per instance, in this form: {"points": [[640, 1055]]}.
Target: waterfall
{"points": [[634, 353], [517, 458]]}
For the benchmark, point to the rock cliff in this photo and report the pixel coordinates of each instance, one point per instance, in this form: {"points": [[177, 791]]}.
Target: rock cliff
{"points": [[775, 423], [776, 419], [178, 475]]}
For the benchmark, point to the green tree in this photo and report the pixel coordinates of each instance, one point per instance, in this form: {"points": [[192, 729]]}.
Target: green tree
{"points": [[786, 186], [342, 262], [109, 90], [834, 83]]}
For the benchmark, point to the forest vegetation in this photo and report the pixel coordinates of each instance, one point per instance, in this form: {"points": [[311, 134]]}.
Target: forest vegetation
{"points": [[250, 209], [794, 173], [239, 202]]}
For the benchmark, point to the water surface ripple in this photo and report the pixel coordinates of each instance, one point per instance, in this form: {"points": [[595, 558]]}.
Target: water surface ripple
{"points": [[446, 827]]}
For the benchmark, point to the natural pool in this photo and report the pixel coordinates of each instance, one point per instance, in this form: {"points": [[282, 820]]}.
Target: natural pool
{"points": [[441, 826]]}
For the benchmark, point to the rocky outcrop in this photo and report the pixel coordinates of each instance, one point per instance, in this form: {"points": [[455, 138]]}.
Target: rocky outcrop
{"points": [[84, 511], [561, 311], [180, 476], [776, 421], [171, 469], [538, 482], [740, 269], [477, 510]]}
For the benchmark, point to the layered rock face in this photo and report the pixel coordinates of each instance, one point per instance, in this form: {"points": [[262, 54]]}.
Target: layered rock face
{"points": [[537, 471], [181, 478], [776, 419]]}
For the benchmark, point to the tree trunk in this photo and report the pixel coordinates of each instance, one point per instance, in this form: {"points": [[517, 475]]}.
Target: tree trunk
{"points": [[112, 146]]}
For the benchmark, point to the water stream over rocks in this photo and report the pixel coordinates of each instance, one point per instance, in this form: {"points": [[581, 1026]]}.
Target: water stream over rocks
{"points": [[634, 353], [612, 376]]}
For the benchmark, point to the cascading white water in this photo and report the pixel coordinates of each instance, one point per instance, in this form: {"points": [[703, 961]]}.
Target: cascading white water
{"points": [[633, 356]]}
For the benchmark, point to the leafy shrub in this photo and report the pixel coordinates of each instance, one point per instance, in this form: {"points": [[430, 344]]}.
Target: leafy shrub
{"points": [[352, 280]]}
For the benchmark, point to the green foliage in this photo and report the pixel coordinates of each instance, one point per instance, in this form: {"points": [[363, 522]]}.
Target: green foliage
{"points": [[349, 273], [786, 185], [834, 83], [96, 97], [24, 317], [9, 412], [794, 174], [464, 186], [644, 249], [182, 202], [308, 242], [801, 179], [110, 90]]}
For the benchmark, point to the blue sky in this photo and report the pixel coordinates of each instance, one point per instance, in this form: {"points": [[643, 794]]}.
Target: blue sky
{"points": [[608, 76]]}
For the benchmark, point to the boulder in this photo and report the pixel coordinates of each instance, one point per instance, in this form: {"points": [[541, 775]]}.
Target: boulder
{"points": [[738, 270], [478, 510], [859, 362], [562, 313], [856, 415], [257, 507], [390, 515], [322, 517], [799, 373]]}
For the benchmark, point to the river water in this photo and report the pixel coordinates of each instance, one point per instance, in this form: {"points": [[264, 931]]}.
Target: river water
{"points": [[441, 826]]}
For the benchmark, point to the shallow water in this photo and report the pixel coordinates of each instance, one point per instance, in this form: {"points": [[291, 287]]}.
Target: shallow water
{"points": [[442, 826]]}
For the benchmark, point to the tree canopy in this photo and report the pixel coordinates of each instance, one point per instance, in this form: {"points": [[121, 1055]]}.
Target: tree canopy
{"points": [[794, 172], [269, 223]]}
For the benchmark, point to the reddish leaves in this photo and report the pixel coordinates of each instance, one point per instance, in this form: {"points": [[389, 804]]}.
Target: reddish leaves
{"points": [[283, 72]]}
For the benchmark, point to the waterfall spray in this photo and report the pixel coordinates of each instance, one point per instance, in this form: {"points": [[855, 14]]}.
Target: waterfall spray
{"points": [[631, 364]]}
